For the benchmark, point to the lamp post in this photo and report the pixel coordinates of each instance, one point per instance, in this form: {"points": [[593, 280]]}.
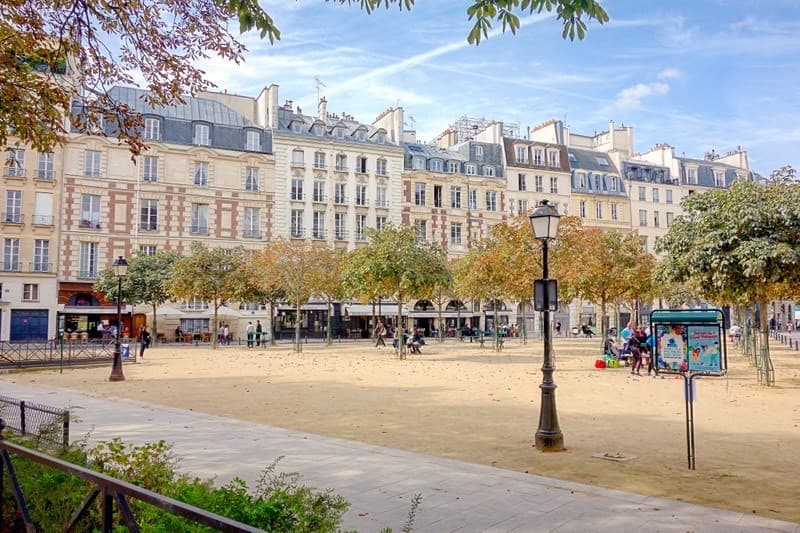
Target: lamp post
{"points": [[549, 438], [120, 267]]}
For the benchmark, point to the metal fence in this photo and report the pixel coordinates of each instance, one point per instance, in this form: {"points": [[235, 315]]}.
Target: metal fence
{"points": [[61, 352], [45, 423]]}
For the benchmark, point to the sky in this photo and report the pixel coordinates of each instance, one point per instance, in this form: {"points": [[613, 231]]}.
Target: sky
{"points": [[699, 75]]}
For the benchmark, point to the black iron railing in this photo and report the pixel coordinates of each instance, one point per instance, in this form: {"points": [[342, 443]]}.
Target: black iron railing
{"points": [[42, 421], [70, 351]]}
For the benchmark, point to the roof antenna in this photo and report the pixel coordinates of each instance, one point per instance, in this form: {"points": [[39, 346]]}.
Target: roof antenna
{"points": [[319, 84]]}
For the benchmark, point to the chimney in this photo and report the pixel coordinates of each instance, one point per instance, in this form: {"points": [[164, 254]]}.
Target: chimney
{"points": [[322, 109], [611, 133]]}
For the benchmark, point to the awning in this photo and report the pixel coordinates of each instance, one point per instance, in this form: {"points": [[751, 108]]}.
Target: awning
{"points": [[92, 309], [385, 309], [306, 307]]}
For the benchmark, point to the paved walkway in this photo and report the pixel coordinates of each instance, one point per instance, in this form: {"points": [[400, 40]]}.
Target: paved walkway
{"points": [[380, 482]]}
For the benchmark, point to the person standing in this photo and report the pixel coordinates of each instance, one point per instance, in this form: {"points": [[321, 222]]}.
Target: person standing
{"points": [[380, 334], [558, 328], [259, 332], [251, 331], [144, 341], [226, 334]]}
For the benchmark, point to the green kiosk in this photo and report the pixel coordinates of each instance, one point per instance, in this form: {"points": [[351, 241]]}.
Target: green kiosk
{"points": [[689, 343]]}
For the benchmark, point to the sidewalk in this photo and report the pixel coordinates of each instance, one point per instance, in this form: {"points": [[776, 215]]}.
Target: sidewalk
{"points": [[380, 482]]}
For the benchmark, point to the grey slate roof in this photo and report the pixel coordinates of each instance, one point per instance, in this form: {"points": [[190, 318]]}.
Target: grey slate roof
{"points": [[635, 170], [705, 172], [598, 179], [287, 116], [587, 160]]}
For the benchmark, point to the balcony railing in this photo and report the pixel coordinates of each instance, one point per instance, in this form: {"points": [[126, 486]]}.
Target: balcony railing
{"points": [[15, 172], [251, 234], [318, 233], [340, 235], [89, 274], [298, 164], [362, 203], [297, 197], [379, 203], [12, 218], [92, 224], [361, 236], [319, 166], [340, 168], [198, 230], [42, 220], [47, 175], [298, 233], [149, 226], [11, 265], [320, 198], [38, 266]]}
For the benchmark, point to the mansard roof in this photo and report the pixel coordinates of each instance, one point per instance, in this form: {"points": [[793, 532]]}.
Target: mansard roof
{"points": [[582, 159], [286, 117]]}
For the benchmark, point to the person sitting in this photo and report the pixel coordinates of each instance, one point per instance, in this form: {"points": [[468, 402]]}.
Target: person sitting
{"points": [[415, 341], [178, 334], [610, 348], [587, 331]]}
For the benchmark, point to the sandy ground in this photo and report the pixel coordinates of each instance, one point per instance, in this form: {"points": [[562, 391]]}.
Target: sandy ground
{"points": [[461, 401]]}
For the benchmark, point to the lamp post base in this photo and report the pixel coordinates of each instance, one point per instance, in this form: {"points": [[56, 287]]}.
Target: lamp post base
{"points": [[116, 368], [549, 442]]}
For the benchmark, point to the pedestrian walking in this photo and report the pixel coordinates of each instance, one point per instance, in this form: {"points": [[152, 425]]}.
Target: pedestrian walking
{"points": [[558, 328], [380, 334], [259, 332], [226, 334], [144, 341], [251, 333]]}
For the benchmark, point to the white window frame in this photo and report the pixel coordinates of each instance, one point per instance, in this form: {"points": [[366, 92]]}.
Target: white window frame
{"points": [[201, 174], [340, 226], [297, 225], [319, 159], [538, 183], [318, 192], [202, 135], [455, 233], [455, 197], [614, 215], [90, 211], [41, 255], [553, 185], [11, 255], [150, 168], [199, 219], [582, 208], [30, 292], [92, 160], [152, 129], [13, 207], [381, 195], [45, 169], [361, 195], [15, 165], [420, 192], [252, 140], [380, 167], [251, 179], [89, 259], [148, 215], [488, 171], [491, 200], [298, 158], [340, 193], [296, 192]]}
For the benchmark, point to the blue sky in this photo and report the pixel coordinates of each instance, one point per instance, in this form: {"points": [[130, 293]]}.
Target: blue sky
{"points": [[696, 74]]}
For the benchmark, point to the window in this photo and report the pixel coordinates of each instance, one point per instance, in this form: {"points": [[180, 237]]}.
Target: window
{"points": [[88, 262], [453, 167], [436, 165], [152, 129], [597, 182], [341, 162], [670, 218], [90, 211], [614, 184], [380, 138], [719, 178], [380, 222], [11, 255], [361, 226], [583, 209], [297, 127], [199, 219], [253, 141], [339, 133], [380, 197], [318, 228], [553, 185], [92, 164], [522, 154], [655, 195], [538, 156], [419, 194], [598, 208], [44, 170], [642, 217], [522, 206], [539, 183], [194, 305], [201, 174], [669, 196], [614, 212], [13, 207], [297, 223], [340, 226], [319, 159], [418, 163], [491, 201], [581, 180], [319, 130], [478, 152], [521, 182], [420, 226], [251, 179], [148, 249], [202, 134], [656, 223], [437, 196], [488, 171], [339, 193], [380, 167], [297, 189], [43, 209], [470, 169], [691, 176], [150, 168], [361, 195], [41, 255], [553, 158], [361, 164], [15, 164], [642, 194], [148, 215], [455, 197], [30, 292], [455, 233], [298, 158], [473, 200], [318, 194], [602, 161]]}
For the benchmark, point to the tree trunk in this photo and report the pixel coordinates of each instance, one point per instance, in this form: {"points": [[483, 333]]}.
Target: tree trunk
{"points": [[328, 325], [765, 369], [154, 336], [602, 323], [440, 328], [215, 330], [297, 346], [458, 320], [495, 331], [272, 317], [524, 328], [399, 330]]}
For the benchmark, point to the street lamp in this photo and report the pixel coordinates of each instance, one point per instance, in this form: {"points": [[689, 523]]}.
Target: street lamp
{"points": [[120, 267], [549, 438]]}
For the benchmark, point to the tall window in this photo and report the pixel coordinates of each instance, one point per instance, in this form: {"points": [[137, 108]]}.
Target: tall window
{"points": [[148, 215], [251, 179], [455, 233], [582, 206], [470, 169], [669, 196], [491, 200], [419, 194], [202, 134], [199, 219], [642, 217], [598, 207], [148, 249], [380, 197], [691, 176], [90, 211], [597, 180], [655, 195], [539, 182], [201, 174], [553, 185], [297, 223], [656, 222], [297, 189], [421, 227], [554, 158], [614, 184], [252, 222], [455, 197], [11, 255], [670, 218], [361, 195], [522, 206], [319, 191], [152, 129], [30, 292], [15, 165], [478, 152], [361, 165], [88, 262], [473, 200], [522, 185], [642, 194], [318, 225], [613, 211], [319, 159], [380, 169], [488, 171], [340, 226], [298, 158], [150, 168], [253, 141], [719, 178], [92, 164], [538, 156], [435, 165], [41, 255], [418, 163], [43, 209], [341, 162], [361, 226], [437, 196], [453, 167], [13, 207], [522, 154], [339, 193], [45, 170]]}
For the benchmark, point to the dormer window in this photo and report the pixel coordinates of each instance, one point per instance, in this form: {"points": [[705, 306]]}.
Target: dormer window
{"points": [[554, 158], [380, 138], [488, 171], [252, 141], [297, 127], [202, 134], [522, 154], [152, 129], [602, 161], [436, 165], [361, 135], [319, 131], [339, 133], [418, 163], [453, 167], [470, 169]]}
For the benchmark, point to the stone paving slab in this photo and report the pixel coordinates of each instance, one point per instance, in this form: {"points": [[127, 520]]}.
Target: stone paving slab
{"points": [[380, 482]]}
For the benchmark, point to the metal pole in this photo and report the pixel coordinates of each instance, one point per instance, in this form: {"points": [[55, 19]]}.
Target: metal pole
{"points": [[548, 435], [116, 368]]}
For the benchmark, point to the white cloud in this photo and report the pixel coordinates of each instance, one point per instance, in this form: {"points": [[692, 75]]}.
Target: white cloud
{"points": [[670, 74], [631, 97]]}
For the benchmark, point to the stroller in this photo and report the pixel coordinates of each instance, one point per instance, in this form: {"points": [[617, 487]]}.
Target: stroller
{"points": [[622, 353]]}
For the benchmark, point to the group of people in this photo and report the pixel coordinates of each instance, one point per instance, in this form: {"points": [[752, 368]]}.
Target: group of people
{"points": [[224, 335], [413, 339], [254, 334], [638, 342]]}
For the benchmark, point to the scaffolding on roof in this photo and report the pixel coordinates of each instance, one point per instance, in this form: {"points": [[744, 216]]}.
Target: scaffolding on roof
{"points": [[466, 128]]}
